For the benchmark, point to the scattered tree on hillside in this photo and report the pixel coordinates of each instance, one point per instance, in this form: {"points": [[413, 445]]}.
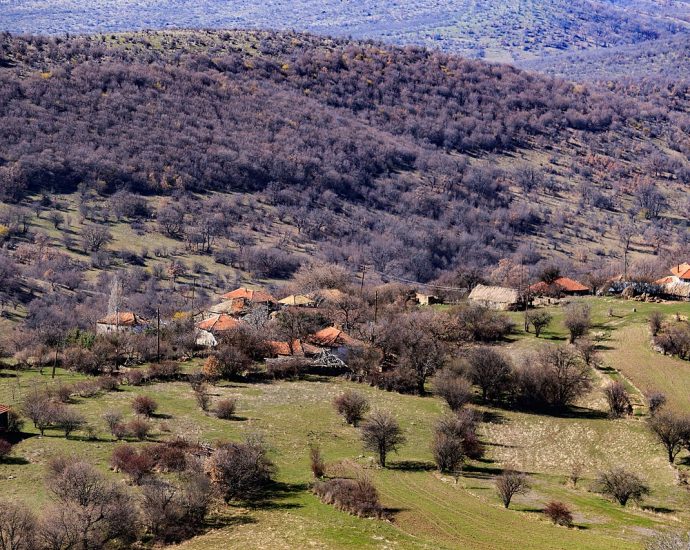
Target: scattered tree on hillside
{"points": [[539, 319], [511, 483], [671, 430], [621, 485], [491, 370], [618, 399], [577, 321], [382, 434]]}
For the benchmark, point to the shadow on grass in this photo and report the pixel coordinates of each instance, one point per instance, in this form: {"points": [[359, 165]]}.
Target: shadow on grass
{"points": [[273, 495], [473, 471], [14, 461], [492, 417], [223, 521], [17, 437], [658, 509], [411, 466], [161, 416]]}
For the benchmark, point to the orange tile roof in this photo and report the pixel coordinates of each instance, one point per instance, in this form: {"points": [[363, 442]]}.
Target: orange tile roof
{"points": [[564, 283], [4, 409], [258, 296], [123, 319], [332, 337], [229, 306], [283, 348], [219, 323], [664, 280], [681, 270]]}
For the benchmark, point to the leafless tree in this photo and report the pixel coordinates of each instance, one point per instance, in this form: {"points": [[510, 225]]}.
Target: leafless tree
{"points": [[382, 434], [509, 484], [671, 430], [456, 390], [491, 371], [17, 527], [577, 321], [94, 237], [621, 485], [618, 399]]}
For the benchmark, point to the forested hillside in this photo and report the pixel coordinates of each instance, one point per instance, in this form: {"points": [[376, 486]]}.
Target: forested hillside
{"points": [[420, 164]]}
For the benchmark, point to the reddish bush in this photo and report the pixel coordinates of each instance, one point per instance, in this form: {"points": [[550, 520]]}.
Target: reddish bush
{"points": [[559, 513], [164, 371], [137, 464], [139, 428], [399, 380], [135, 377], [144, 405], [455, 390], [356, 496], [352, 406], [286, 369], [108, 383]]}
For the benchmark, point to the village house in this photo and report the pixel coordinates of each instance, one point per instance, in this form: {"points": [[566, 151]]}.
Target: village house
{"points": [[210, 330], [677, 285], [4, 418], [250, 296], [230, 307], [297, 300], [496, 297], [334, 338], [298, 349], [121, 322], [562, 286]]}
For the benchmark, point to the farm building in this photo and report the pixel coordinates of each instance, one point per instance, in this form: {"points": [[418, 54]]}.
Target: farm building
{"points": [[4, 418], [298, 300], [123, 321], [211, 329], [334, 338], [495, 297], [298, 349], [562, 286], [427, 299]]}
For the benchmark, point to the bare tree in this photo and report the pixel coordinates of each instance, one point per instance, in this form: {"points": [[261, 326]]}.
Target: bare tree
{"points": [[577, 321], [491, 371], [144, 405], [621, 485], [671, 430], [382, 434], [618, 399], [94, 237], [509, 484], [17, 527], [539, 320], [454, 389]]}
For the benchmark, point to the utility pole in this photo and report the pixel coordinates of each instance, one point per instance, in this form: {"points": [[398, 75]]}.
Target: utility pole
{"points": [[361, 286], [376, 306], [158, 334]]}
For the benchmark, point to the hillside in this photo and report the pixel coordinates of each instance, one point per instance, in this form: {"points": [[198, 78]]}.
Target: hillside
{"points": [[416, 163], [490, 29]]}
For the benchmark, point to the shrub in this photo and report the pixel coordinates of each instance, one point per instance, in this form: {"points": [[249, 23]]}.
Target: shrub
{"points": [[618, 399], [352, 406], [291, 368], [559, 513], [509, 484], [355, 496], [656, 322], [69, 420], [135, 377], [240, 471], [539, 319], [144, 405], [108, 383], [225, 408], [5, 448], [577, 321], [112, 419], [137, 464], [382, 434], [164, 371], [448, 452], [399, 380], [139, 428], [86, 388], [202, 396], [455, 390], [318, 466], [621, 485], [64, 392]]}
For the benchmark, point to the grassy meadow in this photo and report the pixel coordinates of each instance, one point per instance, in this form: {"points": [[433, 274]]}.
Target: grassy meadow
{"points": [[429, 510]]}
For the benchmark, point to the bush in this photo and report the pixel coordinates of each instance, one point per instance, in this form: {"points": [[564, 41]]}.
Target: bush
{"points": [[240, 471], [318, 466], [455, 390], [108, 383], [87, 388], [399, 380], [352, 406], [135, 377], [15, 423], [225, 408], [655, 401], [202, 396], [139, 428], [559, 513], [621, 485], [355, 496], [462, 426], [577, 321], [5, 448], [137, 464], [164, 371], [291, 368], [171, 456], [69, 420], [17, 527], [448, 452], [539, 319], [656, 322], [144, 405]]}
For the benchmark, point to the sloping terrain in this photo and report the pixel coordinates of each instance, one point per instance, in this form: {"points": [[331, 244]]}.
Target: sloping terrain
{"points": [[415, 162], [493, 29]]}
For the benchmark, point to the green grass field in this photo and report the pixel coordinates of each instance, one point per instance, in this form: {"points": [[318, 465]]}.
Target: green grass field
{"points": [[429, 510]]}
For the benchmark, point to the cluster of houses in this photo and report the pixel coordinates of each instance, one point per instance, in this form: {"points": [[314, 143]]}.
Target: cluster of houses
{"points": [[675, 286]]}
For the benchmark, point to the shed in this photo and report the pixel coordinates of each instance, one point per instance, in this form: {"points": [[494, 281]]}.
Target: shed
{"points": [[427, 299], [495, 297], [250, 295]]}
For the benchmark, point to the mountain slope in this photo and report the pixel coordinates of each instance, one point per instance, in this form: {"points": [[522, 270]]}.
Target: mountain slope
{"points": [[493, 29]]}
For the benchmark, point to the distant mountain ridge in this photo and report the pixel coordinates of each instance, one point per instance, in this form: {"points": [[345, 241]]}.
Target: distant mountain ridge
{"points": [[492, 29]]}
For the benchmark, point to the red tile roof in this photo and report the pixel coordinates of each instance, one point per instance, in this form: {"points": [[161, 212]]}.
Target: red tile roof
{"points": [[123, 319], [233, 307], [258, 296], [664, 280], [219, 323], [564, 283], [682, 271], [333, 337]]}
